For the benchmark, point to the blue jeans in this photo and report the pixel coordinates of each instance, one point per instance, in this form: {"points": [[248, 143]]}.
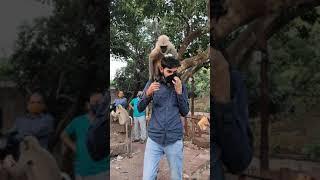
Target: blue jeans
{"points": [[153, 154]]}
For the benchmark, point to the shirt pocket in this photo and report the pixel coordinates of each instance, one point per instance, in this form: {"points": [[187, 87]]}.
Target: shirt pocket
{"points": [[174, 99], [159, 99]]}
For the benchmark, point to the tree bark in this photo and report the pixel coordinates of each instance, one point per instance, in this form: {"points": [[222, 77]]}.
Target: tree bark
{"points": [[241, 12], [194, 61]]}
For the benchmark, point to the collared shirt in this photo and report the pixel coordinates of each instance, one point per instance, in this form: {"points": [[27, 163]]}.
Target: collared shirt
{"points": [[165, 125], [40, 126]]}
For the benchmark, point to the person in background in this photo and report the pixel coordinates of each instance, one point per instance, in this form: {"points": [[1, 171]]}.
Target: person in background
{"points": [[121, 100], [139, 119], [85, 167], [37, 122]]}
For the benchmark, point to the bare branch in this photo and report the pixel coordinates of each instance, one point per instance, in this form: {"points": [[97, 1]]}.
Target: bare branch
{"points": [[259, 31], [194, 61], [192, 70], [243, 12], [186, 22], [187, 40]]}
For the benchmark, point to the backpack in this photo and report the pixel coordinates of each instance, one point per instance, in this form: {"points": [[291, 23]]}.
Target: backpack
{"points": [[232, 136]]}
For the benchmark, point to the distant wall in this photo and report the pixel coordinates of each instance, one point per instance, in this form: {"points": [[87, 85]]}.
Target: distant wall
{"points": [[12, 104]]}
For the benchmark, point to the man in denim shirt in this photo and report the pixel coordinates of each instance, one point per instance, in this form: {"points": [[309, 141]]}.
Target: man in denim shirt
{"points": [[170, 101]]}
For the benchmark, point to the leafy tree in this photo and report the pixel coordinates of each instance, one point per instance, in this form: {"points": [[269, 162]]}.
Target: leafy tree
{"points": [[64, 56], [135, 26]]}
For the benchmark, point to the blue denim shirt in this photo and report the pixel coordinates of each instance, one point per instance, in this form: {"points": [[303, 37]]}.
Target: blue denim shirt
{"points": [[165, 125]]}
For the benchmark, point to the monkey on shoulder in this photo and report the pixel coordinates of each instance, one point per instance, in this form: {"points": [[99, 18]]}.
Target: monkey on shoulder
{"points": [[163, 47]]}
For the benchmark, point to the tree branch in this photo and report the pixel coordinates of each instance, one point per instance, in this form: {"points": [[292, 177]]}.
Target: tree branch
{"points": [[187, 40], [194, 61], [254, 37], [259, 31], [186, 22], [192, 70], [243, 12]]}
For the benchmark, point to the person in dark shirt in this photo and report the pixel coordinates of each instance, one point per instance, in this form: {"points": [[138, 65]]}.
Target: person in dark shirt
{"points": [[37, 122], [165, 130]]}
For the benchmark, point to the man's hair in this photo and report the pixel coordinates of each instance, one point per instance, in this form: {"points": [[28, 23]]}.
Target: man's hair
{"points": [[170, 62]]}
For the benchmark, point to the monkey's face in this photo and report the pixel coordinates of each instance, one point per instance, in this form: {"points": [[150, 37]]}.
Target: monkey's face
{"points": [[163, 49]]}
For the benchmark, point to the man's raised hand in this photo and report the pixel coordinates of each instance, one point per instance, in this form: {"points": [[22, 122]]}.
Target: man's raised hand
{"points": [[155, 86]]}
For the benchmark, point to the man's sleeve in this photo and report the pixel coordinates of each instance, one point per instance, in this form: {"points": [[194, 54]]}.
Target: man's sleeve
{"points": [[144, 101], [183, 102]]}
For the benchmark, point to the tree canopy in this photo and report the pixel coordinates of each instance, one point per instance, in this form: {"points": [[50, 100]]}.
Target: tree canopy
{"points": [[64, 56], [136, 25]]}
